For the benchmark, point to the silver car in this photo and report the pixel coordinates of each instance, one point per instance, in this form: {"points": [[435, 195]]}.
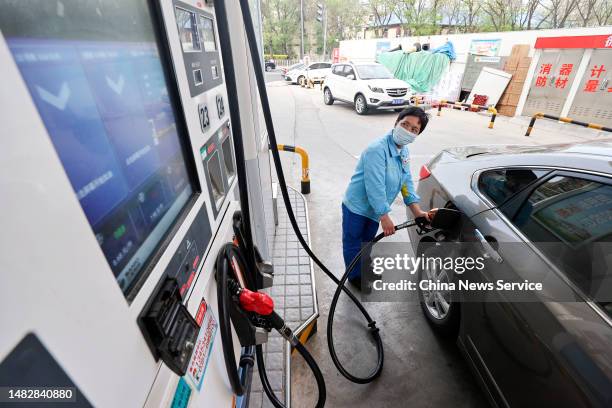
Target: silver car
{"points": [[532, 353]]}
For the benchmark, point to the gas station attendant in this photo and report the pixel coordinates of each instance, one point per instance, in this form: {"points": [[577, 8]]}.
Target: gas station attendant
{"points": [[382, 172]]}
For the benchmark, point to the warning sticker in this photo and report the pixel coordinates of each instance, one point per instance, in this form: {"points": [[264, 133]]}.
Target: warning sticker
{"points": [[203, 346]]}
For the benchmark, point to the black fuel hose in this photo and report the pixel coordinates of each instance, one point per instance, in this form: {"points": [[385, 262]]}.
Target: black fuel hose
{"points": [[223, 298], [240, 385], [261, 86], [334, 302], [261, 367]]}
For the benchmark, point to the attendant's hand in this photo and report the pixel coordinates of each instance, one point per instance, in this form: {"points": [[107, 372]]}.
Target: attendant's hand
{"points": [[432, 213], [387, 225], [420, 213]]}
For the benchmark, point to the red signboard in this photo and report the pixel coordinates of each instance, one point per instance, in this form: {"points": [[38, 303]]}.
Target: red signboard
{"points": [[335, 55], [583, 41]]}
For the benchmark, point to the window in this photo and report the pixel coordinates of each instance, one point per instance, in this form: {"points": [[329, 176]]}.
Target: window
{"points": [[374, 71], [314, 66], [570, 220], [501, 184], [324, 65], [338, 70], [348, 70]]}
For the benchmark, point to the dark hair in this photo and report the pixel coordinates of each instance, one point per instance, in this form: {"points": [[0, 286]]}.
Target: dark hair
{"points": [[414, 111]]}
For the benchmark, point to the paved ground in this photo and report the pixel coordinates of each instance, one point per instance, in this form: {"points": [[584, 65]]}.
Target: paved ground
{"points": [[421, 370]]}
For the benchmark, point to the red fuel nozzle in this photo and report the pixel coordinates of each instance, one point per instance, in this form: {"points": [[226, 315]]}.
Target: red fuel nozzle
{"points": [[257, 302]]}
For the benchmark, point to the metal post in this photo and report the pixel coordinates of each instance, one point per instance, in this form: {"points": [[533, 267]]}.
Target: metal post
{"points": [[305, 183], [302, 29], [493, 112], [324, 32], [532, 123]]}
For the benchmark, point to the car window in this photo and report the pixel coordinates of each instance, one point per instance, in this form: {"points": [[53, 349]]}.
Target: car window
{"points": [[570, 220], [348, 70], [500, 185], [325, 65], [314, 66], [374, 71], [338, 70]]}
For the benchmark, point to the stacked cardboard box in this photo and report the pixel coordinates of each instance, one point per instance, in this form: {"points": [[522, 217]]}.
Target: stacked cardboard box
{"points": [[517, 65]]}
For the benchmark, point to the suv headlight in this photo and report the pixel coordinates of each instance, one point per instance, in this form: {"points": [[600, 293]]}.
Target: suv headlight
{"points": [[376, 89]]}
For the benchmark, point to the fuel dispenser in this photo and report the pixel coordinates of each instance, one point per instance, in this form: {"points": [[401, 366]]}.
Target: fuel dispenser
{"points": [[137, 203], [119, 187]]}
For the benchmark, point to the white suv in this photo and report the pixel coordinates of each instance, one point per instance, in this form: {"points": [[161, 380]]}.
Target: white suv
{"points": [[315, 71], [366, 86]]}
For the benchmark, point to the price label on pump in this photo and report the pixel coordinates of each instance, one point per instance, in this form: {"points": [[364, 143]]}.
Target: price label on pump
{"points": [[204, 344]]}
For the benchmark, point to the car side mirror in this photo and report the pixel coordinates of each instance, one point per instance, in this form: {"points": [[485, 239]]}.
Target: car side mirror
{"points": [[445, 218], [350, 76]]}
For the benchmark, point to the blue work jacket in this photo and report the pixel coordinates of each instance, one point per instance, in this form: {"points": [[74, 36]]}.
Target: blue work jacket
{"points": [[382, 172]]}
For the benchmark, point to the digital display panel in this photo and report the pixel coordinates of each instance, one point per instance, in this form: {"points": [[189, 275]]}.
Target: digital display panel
{"points": [[103, 97], [208, 34], [188, 30]]}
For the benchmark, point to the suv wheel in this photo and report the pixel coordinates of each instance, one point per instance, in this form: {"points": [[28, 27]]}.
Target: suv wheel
{"points": [[268, 68], [361, 106], [301, 81], [327, 97], [438, 306]]}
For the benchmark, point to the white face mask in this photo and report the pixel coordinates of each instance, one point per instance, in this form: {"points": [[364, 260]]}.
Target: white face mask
{"points": [[402, 137]]}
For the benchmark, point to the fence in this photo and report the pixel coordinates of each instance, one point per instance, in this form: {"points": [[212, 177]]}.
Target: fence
{"points": [[540, 115]]}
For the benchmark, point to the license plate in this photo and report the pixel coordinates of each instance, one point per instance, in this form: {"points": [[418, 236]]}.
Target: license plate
{"points": [[398, 101]]}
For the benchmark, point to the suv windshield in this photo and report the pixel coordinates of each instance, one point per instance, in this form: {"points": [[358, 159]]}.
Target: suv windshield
{"points": [[373, 72]]}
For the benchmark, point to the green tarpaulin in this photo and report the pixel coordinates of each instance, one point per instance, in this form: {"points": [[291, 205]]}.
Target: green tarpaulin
{"points": [[422, 69]]}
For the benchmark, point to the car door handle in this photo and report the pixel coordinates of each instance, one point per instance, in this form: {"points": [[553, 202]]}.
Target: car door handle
{"points": [[489, 252]]}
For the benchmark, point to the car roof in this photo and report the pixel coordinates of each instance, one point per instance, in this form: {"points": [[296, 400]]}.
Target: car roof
{"points": [[602, 147], [591, 156], [357, 63]]}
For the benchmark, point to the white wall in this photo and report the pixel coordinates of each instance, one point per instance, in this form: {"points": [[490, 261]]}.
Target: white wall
{"points": [[365, 50]]}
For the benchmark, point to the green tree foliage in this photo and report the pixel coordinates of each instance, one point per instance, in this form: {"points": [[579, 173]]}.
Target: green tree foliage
{"points": [[281, 26], [348, 19]]}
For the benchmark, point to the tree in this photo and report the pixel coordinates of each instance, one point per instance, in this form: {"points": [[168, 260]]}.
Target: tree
{"points": [[557, 12], [382, 12], [602, 13], [281, 26], [470, 12]]}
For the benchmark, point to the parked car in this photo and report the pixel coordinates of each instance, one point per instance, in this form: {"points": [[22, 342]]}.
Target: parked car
{"points": [[315, 71], [553, 205], [270, 65], [284, 70], [366, 86]]}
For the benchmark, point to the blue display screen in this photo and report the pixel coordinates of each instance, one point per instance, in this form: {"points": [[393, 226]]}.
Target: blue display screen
{"points": [[106, 108]]}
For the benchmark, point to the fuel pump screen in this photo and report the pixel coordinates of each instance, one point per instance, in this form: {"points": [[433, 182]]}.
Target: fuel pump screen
{"points": [[97, 81]]}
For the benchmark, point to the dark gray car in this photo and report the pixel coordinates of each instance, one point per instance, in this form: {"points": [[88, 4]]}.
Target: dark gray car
{"points": [[518, 204]]}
